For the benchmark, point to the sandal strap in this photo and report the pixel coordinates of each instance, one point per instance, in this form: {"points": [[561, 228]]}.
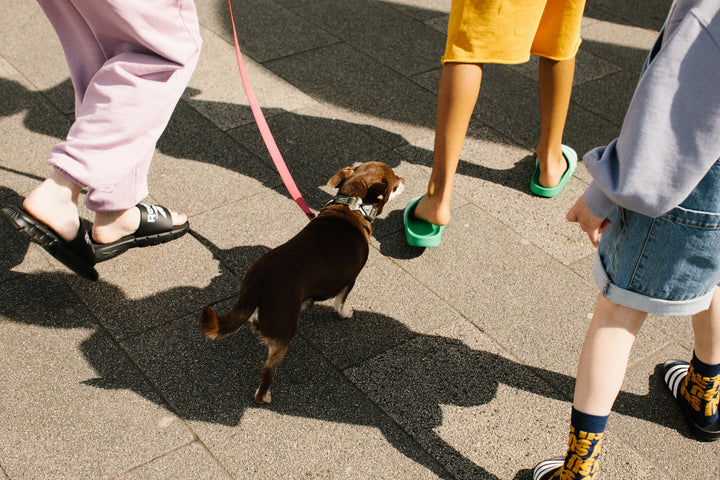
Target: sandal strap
{"points": [[675, 373], [547, 468], [153, 219]]}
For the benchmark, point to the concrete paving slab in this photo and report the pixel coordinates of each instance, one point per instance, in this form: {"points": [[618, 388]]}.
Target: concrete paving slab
{"points": [[141, 290], [462, 372], [439, 23], [625, 45], [662, 432], [608, 97], [329, 430], [216, 89], [61, 415], [191, 461], [424, 10], [678, 328], [28, 42], [378, 30], [504, 265], [504, 94], [31, 126], [317, 448], [199, 168], [382, 319], [361, 90], [587, 67], [27, 162], [477, 407], [492, 170], [315, 146], [257, 23], [238, 233], [583, 267], [652, 17]]}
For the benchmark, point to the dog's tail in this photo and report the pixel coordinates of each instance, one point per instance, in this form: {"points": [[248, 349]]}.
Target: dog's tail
{"points": [[215, 327]]}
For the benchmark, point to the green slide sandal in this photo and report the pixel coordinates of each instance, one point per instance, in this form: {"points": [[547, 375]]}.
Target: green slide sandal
{"points": [[549, 192], [420, 233]]}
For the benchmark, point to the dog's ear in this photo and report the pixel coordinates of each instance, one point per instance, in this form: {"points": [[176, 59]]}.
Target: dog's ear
{"points": [[340, 177], [378, 194]]}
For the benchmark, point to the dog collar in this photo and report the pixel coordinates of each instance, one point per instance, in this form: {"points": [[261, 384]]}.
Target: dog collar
{"points": [[368, 210]]}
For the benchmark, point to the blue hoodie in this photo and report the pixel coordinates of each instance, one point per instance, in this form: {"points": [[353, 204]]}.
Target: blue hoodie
{"points": [[671, 133]]}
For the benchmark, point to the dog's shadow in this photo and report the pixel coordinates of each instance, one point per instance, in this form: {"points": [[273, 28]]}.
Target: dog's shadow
{"points": [[330, 360]]}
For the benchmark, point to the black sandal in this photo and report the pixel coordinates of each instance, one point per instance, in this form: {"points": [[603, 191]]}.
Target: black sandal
{"points": [[77, 254], [155, 228]]}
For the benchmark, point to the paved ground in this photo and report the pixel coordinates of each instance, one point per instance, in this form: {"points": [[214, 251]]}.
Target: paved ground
{"points": [[458, 362]]}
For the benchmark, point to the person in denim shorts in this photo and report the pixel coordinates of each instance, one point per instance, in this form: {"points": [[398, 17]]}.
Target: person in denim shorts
{"points": [[655, 198]]}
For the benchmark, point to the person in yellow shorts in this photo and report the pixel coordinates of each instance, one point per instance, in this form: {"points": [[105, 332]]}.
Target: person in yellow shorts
{"points": [[505, 32]]}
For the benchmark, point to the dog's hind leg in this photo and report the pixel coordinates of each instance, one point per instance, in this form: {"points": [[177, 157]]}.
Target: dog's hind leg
{"points": [[340, 306], [277, 351]]}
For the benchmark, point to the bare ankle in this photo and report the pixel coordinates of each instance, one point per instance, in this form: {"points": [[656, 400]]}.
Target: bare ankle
{"points": [[552, 169], [55, 204], [110, 226], [434, 209]]}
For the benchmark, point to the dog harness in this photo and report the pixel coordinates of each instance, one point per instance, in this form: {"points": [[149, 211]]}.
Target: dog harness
{"points": [[368, 210]]}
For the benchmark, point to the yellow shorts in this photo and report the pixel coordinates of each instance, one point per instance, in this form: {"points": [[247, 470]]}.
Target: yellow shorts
{"points": [[509, 31]]}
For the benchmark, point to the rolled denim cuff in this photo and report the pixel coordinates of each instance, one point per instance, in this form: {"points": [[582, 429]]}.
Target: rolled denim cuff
{"points": [[644, 303]]}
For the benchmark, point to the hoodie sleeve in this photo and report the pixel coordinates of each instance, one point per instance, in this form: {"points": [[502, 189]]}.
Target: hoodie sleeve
{"points": [[671, 133]]}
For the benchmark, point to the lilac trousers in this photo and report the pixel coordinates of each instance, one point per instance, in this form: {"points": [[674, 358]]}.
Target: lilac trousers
{"points": [[129, 61]]}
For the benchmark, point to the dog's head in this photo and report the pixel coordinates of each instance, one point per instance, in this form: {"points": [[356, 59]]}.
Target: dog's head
{"points": [[373, 182]]}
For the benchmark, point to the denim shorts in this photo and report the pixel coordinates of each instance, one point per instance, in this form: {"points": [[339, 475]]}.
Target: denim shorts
{"points": [[668, 265]]}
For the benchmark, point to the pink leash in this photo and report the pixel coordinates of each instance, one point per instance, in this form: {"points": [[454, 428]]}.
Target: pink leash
{"points": [[265, 130]]}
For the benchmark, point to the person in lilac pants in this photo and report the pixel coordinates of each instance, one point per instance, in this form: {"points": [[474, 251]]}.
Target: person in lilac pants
{"points": [[129, 61]]}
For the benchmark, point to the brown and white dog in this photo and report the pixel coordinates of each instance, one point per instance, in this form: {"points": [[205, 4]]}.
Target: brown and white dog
{"points": [[320, 262]]}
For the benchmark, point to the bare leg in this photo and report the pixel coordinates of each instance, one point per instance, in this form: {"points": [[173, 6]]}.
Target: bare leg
{"points": [[601, 371], [706, 326], [457, 95], [555, 79], [604, 356]]}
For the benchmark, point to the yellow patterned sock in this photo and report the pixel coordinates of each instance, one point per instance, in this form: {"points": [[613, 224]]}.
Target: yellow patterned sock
{"points": [[586, 436], [701, 389]]}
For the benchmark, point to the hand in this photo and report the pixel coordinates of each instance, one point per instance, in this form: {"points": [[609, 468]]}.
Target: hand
{"points": [[589, 223]]}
